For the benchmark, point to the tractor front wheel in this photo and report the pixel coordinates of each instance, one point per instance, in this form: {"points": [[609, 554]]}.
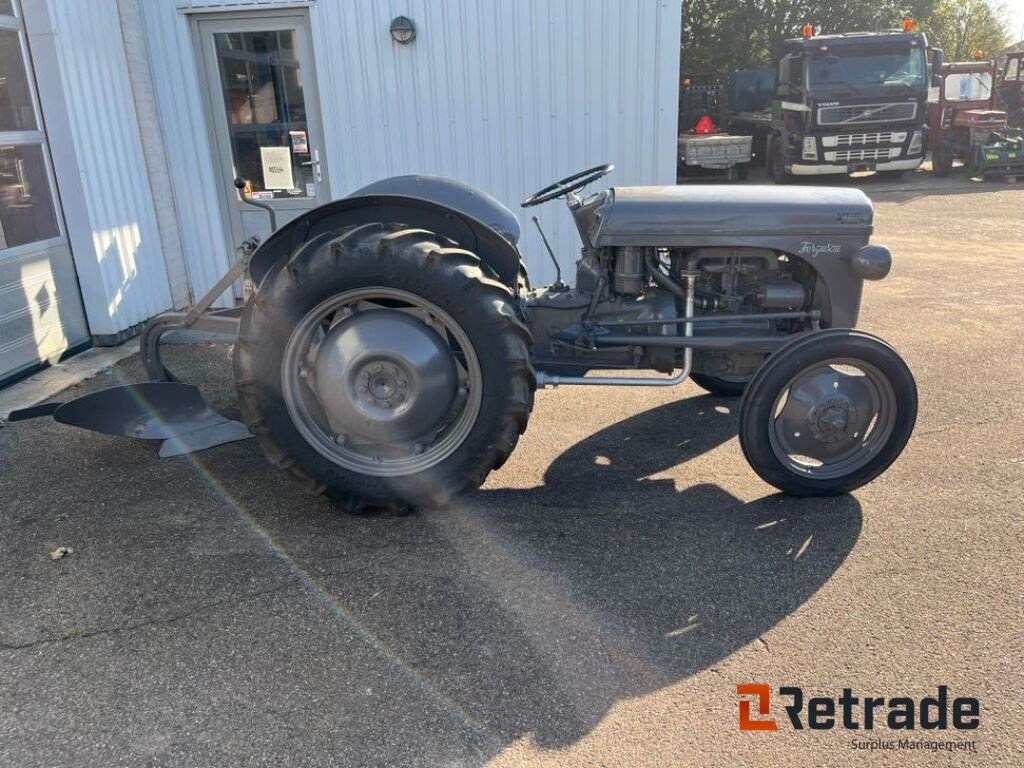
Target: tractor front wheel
{"points": [[827, 413], [382, 366], [973, 163]]}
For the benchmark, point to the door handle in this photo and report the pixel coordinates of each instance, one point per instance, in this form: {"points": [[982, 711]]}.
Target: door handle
{"points": [[315, 165]]}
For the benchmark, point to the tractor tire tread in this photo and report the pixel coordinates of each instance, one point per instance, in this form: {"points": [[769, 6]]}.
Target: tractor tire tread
{"points": [[411, 250]]}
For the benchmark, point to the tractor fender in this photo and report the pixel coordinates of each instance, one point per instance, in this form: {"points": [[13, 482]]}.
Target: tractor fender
{"points": [[471, 218], [450, 193]]}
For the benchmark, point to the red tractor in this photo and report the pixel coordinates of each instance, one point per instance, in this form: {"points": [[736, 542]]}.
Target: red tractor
{"points": [[964, 117], [1010, 91]]}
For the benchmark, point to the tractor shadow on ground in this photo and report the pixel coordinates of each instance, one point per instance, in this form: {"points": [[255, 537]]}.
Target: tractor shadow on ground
{"points": [[524, 613], [536, 610]]}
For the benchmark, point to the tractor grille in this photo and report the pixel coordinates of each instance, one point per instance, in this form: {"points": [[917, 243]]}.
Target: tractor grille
{"points": [[853, 139], [858, 155], [867, 113]]}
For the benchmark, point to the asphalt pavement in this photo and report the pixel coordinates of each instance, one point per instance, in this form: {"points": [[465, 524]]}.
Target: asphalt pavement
{"points": [[596, 603]]}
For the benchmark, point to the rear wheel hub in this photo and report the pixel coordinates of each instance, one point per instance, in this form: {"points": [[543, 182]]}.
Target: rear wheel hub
{"points": [[384, 376], [381, 381]]}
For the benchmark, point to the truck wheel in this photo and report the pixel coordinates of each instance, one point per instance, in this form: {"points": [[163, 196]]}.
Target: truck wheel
{"points": [[724, 386], [828, 413], [777, 164], [380, 366], [942, 160]]}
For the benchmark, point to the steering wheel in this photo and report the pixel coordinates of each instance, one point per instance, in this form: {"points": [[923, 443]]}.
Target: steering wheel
{"points": [[568, 184]]}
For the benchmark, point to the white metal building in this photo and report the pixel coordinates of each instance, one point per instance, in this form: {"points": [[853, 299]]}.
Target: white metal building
{"points": [[124, 122]]}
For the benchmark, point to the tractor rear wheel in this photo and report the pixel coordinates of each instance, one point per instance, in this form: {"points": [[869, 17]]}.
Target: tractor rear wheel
{"points": [[942, 160], [723, 386], [383, 367]]}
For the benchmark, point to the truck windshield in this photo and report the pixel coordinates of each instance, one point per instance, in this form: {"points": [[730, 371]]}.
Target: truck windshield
{"points": [[866, 69]]}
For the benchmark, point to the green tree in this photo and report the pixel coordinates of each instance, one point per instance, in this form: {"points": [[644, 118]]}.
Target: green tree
{"points": [[961, 27]]}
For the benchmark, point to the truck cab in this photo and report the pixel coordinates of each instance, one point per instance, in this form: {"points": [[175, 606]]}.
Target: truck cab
{"points": [[1010, 90], [850, 102]]}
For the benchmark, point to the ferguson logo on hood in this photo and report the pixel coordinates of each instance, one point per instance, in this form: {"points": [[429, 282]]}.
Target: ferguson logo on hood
{"points": [[807, 248]]}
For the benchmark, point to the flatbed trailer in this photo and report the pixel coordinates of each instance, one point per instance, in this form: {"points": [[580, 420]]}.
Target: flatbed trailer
{"points": [[717, 152], [756, 125]]}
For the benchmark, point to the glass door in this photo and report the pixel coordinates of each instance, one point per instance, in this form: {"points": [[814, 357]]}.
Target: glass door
{"points": [[263, 103]]}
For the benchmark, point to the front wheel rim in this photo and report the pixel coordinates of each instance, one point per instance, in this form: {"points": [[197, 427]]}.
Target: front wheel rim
{"points": [[833, 418], [381, 381]]}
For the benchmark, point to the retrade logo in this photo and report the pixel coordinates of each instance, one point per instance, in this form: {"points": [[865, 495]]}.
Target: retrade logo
{"points": [[853, 712], [761, 693]]}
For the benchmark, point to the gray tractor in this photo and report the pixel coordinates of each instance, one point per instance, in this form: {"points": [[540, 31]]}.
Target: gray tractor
{"points": [[389, 352]]}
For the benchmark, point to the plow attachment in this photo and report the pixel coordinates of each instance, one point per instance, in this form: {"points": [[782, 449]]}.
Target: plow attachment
{"points": [[173, 412], [163, 408]]}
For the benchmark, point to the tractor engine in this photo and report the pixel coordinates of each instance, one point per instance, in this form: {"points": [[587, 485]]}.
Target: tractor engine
{"points": [[641, 291]]}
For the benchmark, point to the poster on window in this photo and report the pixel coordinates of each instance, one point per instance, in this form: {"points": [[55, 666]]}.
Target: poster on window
{"points": [[277, 168]]}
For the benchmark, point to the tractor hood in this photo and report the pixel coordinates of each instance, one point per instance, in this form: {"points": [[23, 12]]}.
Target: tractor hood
{"points": [[674, 216]]}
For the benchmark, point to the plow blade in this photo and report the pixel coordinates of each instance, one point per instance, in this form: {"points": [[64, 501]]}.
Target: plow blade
{"points": [[170, 411]]}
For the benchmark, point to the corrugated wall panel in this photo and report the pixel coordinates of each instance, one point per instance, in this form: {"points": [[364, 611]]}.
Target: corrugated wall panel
{"points": [[132, 284], [194, 192], [508, 95]]}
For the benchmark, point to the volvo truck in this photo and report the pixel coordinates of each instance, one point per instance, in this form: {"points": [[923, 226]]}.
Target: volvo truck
{"points": [[846, 103]]}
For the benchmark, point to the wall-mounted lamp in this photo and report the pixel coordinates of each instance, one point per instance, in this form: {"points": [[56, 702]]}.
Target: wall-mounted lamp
{"points": [[403, 31]]}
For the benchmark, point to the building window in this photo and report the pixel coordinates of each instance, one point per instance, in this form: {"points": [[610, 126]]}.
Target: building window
{"points": [[26, 205], [16, 110], [27, 210]]}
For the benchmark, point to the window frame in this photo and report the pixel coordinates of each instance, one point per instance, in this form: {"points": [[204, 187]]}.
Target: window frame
{"points": [[32, 138], [983, 79], [1017, 66]]}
